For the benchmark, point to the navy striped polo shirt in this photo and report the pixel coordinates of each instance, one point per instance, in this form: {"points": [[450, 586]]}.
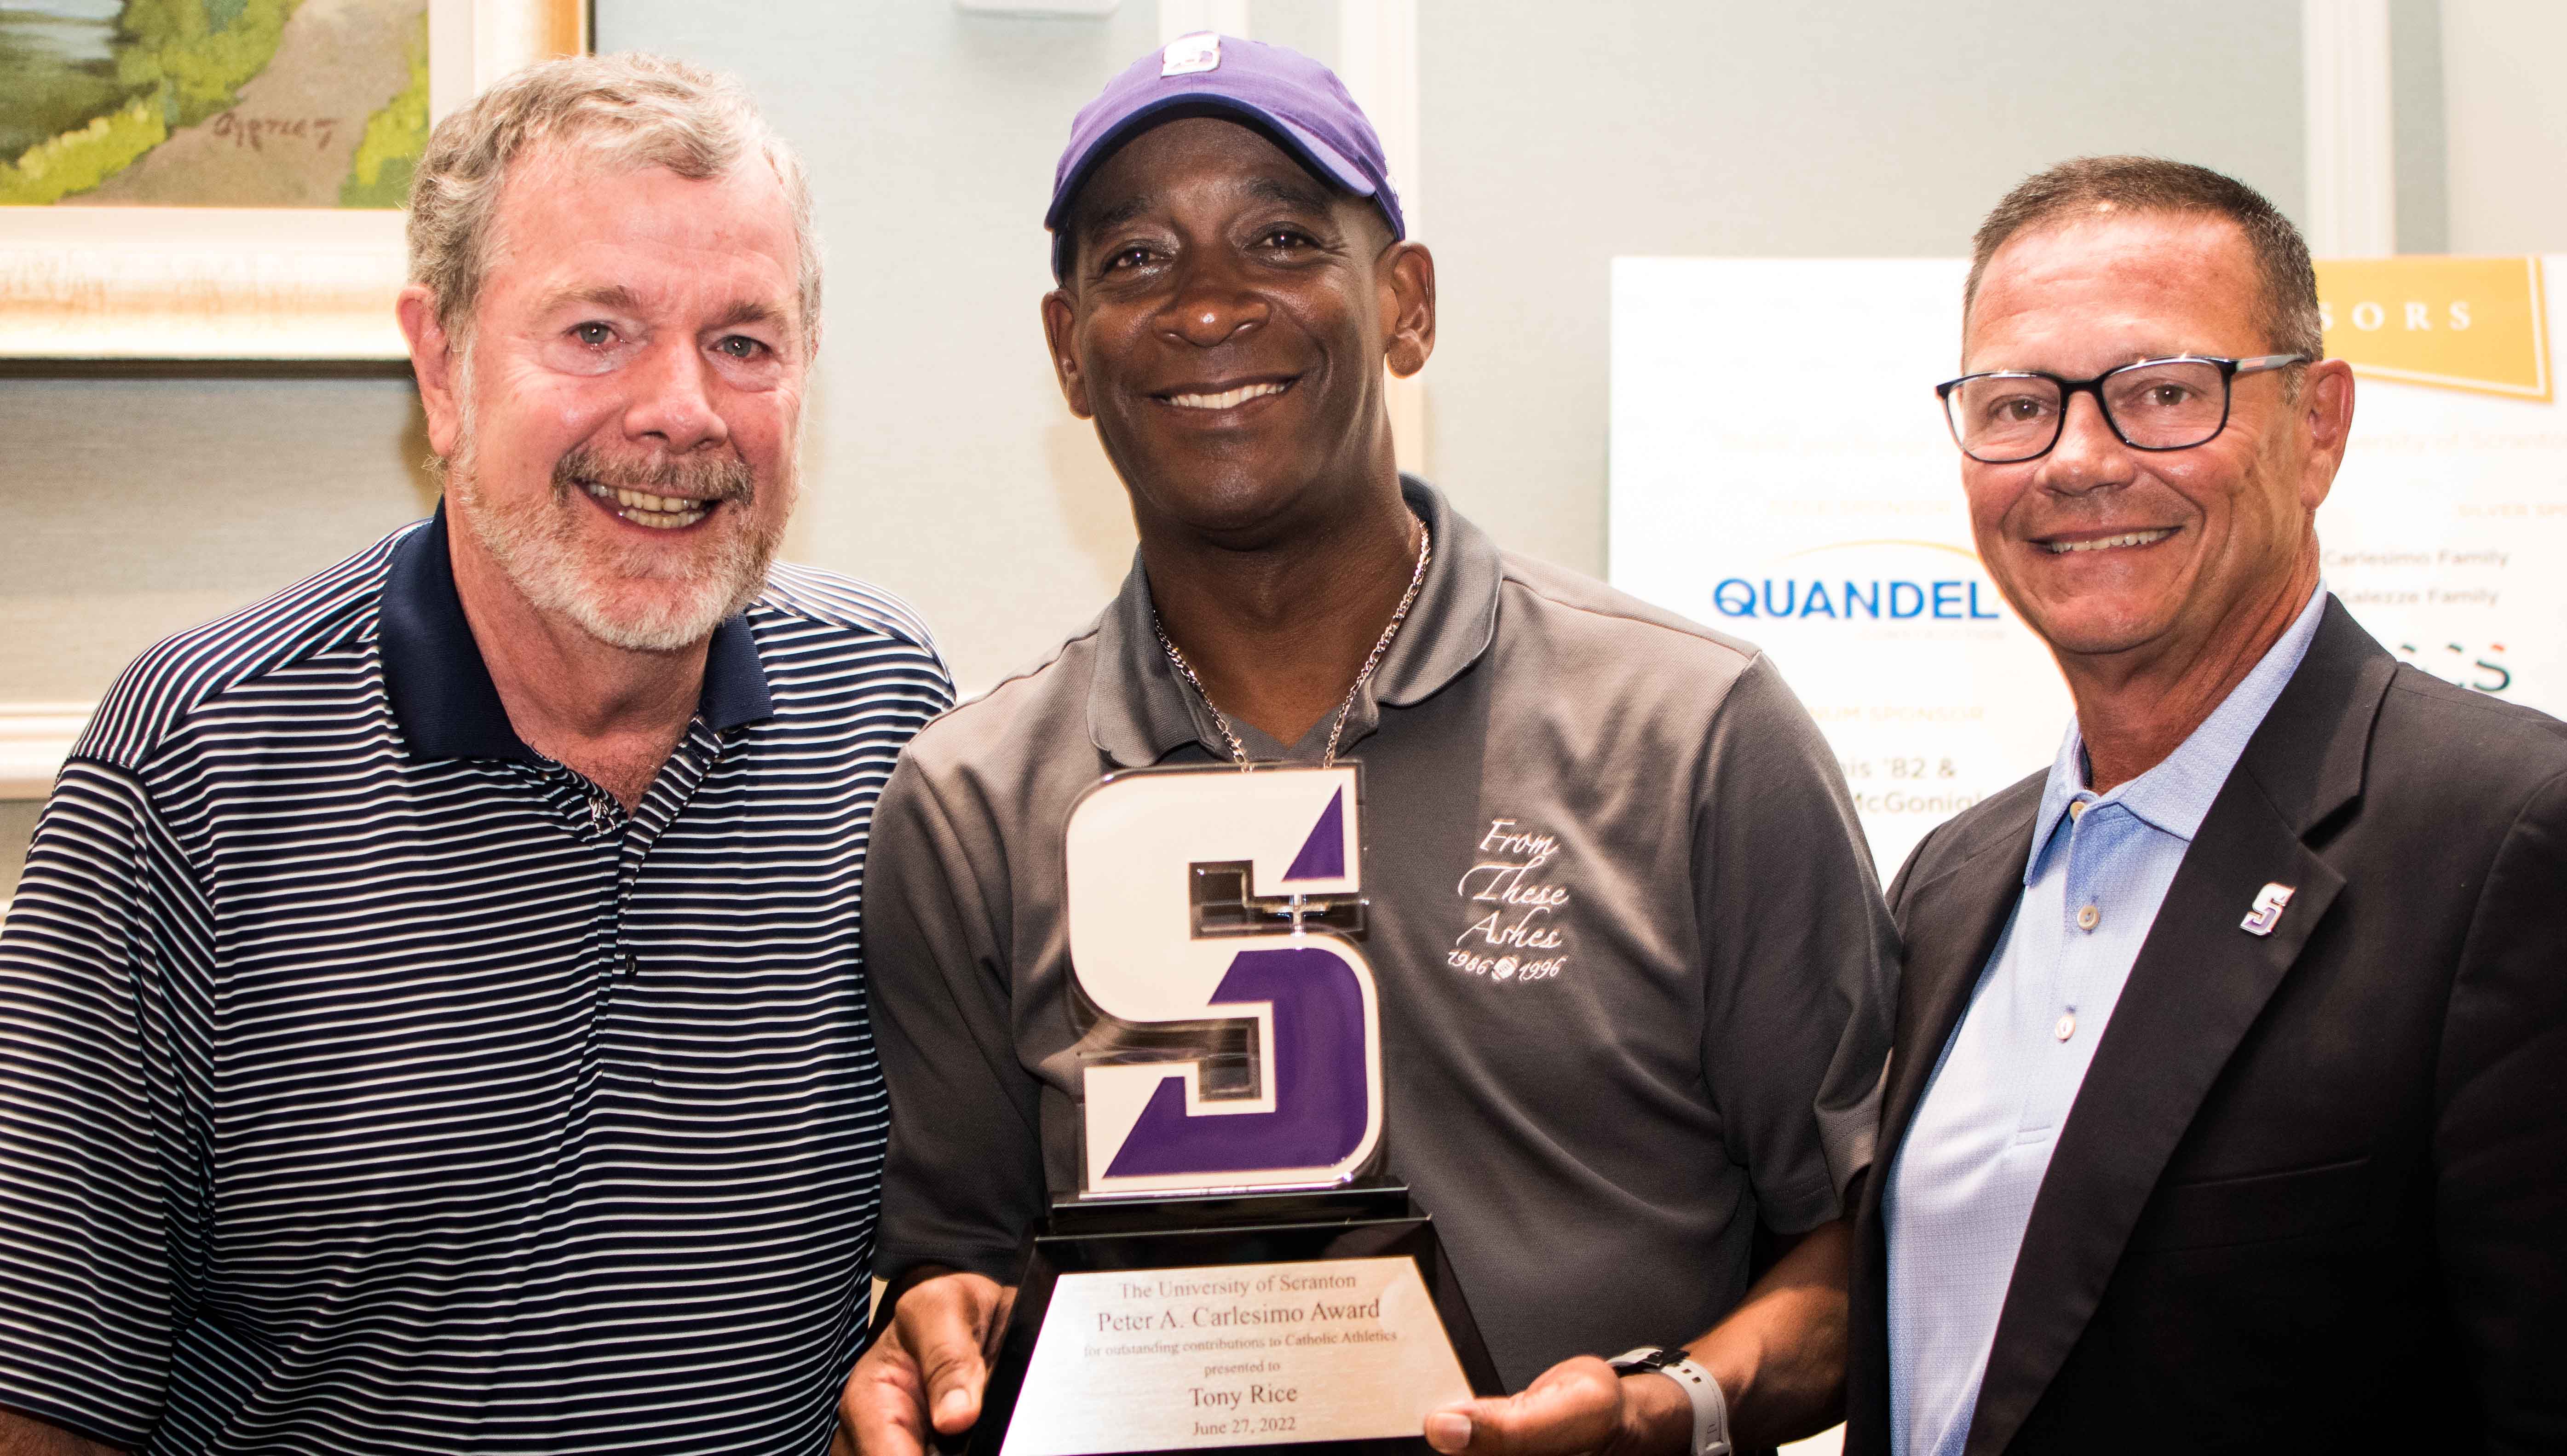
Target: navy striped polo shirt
{"points": [[370, 1083]]}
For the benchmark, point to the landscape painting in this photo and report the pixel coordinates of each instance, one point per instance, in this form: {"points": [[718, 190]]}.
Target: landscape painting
{"points": [[308, 103], [223, 179]]}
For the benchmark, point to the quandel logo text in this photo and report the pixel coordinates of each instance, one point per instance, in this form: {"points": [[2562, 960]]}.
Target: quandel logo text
{"points": [[1881, 599]]}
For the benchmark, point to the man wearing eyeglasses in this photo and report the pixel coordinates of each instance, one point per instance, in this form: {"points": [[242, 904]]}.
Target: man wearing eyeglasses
{"points": [[2229, 1109]]}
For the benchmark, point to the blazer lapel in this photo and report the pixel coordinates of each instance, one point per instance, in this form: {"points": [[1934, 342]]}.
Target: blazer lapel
{"points": [[2198, 984]]}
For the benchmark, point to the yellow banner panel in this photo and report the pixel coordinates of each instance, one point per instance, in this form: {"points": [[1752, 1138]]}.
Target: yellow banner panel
{"points": [[2472, 324]]}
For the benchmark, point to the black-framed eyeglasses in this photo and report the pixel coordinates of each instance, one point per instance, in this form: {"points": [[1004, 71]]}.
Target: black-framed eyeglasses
{"points": [[2012, 416]]}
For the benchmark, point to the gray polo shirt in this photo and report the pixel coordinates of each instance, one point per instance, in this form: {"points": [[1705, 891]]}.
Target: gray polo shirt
{"points": [[1596, 1106]]}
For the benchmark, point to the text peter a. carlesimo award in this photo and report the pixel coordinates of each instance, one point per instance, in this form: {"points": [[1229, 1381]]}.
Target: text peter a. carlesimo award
{"points": [[1234, 1271]]}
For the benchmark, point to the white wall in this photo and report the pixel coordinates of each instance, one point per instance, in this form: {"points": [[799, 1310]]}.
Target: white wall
{"points": [[1559, 134], [2506, 125], [133, 507]]}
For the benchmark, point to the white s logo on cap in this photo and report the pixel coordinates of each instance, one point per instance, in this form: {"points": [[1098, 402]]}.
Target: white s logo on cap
{"points": [[1186, 54]]}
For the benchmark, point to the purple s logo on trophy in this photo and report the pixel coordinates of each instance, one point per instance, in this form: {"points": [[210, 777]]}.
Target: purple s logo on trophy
{"points": [[1208, 920]]}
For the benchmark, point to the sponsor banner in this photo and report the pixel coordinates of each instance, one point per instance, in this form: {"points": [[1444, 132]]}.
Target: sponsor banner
{"points": [[2477, 324], [1781, 471], [2446, 532]]}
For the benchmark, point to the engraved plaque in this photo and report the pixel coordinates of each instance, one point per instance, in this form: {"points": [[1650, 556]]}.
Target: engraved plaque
{"points": [[1332, 1350], [1330, 1320]]}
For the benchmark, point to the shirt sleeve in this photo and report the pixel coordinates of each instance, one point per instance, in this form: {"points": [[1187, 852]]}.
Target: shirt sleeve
{"points": [[87, 1289], [1800, 980], [2500, 1140], [963, 1179]]}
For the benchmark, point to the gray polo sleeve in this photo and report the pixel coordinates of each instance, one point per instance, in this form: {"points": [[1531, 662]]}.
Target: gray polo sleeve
{"points": [[1803, 958], [964, 1178], [88, 1118]]}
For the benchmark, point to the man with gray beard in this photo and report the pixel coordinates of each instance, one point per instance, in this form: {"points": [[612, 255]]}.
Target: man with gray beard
{"points": [[433, 1016]]}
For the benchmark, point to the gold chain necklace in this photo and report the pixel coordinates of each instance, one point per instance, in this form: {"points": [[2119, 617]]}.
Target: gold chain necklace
{"points": [[1327, 758]]}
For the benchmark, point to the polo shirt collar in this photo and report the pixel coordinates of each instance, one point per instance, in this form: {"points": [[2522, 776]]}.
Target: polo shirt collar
{"points": [[1139, 710], [1455, 615], [2175, 796], [441, 695]]}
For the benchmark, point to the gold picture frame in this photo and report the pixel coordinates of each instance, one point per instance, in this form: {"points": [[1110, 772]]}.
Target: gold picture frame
{"points": [[134, 283]]}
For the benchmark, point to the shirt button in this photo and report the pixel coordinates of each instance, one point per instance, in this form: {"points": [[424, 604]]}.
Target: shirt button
{"points": [[2075, 808], [2066, 1026], [2089, 917]]}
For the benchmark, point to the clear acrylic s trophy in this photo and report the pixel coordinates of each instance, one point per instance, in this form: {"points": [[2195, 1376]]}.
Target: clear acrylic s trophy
{"points": [[1234, 1269]]}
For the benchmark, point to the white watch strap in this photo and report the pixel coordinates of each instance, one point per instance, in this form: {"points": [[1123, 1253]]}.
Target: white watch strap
{"points": [[1710, 1408]]}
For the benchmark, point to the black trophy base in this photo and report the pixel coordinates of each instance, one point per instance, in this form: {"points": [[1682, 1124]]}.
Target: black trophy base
{"points": [[1260, 1235]]}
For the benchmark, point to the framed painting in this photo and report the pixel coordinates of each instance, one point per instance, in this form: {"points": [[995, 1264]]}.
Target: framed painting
{"points": [[222, 179]]}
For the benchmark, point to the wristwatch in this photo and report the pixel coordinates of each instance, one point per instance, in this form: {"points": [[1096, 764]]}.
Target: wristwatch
{"points": [[1710, 1409]]}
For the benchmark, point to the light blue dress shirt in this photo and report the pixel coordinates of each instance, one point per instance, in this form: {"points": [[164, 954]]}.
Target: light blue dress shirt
{"points": [[1962, 1184]]}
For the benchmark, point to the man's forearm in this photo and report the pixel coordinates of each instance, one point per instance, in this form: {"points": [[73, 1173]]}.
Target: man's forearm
{"points": [[26, 1436], [1780, 1356]]}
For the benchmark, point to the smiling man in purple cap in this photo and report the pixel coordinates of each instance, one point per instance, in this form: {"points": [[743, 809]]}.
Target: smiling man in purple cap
{"points": [[1633, 961]]}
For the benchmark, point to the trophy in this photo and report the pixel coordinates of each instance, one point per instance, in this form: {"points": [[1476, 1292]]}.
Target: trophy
{"points": [[1234, 1269]]}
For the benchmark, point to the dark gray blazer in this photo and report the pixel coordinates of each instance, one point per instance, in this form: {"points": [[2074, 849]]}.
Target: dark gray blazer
{"points": [[2312, 1192]]}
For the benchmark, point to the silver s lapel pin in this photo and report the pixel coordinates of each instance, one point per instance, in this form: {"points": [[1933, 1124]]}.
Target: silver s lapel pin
{"points": [[2269, 902]]}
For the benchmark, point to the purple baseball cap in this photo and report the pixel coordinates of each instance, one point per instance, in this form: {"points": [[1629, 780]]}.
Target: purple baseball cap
{"points": [[1292, 98]]}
